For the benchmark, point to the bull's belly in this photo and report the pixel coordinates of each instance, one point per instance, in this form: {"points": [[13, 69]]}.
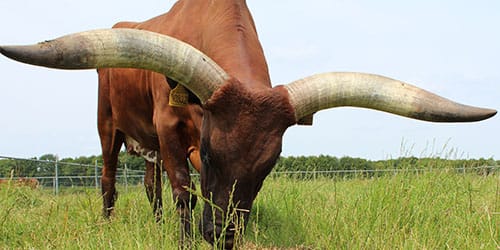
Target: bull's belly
{"points": [[135, 148]]}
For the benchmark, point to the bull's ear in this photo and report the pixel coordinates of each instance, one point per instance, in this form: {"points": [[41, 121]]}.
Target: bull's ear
{"points": [[127, 48], [329, 90]]}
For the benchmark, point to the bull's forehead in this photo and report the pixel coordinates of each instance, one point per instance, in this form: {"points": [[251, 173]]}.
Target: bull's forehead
{"points": [[257, 105], [241, 123]]}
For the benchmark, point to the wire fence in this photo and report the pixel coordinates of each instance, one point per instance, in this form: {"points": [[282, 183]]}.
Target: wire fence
{"points": [[58, 174]]}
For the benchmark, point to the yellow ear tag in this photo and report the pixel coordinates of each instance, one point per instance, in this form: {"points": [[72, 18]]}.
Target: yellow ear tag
{"points": [[178, 96]]}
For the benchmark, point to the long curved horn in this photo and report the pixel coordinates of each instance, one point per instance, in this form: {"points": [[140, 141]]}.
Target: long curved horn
{"points": [[329, 90], [126, 48]]}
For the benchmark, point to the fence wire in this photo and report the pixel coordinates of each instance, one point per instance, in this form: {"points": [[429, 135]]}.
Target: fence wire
{"points": [[58, 174]]}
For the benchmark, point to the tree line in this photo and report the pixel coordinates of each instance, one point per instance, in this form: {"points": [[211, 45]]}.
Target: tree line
{"points": [[330, 166]]}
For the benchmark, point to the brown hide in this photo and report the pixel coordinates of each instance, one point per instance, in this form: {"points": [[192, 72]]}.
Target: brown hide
{"points": [[241, 137], [241, 134], [134, 103], [241, 142]]}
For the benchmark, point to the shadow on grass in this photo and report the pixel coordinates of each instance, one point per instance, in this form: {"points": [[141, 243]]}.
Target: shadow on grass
{"points": [[271, 227]]}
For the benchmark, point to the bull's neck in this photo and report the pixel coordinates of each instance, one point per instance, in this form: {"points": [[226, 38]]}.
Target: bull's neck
{"points": [[230, 38], [225, 31]]}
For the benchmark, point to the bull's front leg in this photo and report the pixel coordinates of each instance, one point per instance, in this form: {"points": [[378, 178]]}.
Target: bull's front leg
{"points": [[153, 182], [183, 199], [184, 203], [177, 170]]}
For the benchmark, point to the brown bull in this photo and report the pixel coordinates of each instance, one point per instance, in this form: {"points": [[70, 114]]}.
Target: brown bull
{"points": [[133, 108], [244, 117]]}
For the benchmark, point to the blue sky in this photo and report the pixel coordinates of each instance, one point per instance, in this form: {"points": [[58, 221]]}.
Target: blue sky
{"points": [[448, 47]]}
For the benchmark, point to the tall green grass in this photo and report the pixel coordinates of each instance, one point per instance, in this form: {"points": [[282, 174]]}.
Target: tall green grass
{"points": [[435, 210], [430, 211]]}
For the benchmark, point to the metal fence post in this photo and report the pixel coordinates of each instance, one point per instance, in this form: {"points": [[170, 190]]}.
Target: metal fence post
{"points": [[96, 178], [56, 178], [125, 176]]}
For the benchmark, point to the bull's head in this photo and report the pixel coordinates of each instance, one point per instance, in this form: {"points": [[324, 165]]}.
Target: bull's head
{"points": [[243, 126]]}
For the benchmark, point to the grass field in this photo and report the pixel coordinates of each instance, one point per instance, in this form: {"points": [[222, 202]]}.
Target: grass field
{"points": [[437, 210]]}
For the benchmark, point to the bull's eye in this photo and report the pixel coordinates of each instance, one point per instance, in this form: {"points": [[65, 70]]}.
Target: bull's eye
{"points": [[205, 159], [204, 155]]}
